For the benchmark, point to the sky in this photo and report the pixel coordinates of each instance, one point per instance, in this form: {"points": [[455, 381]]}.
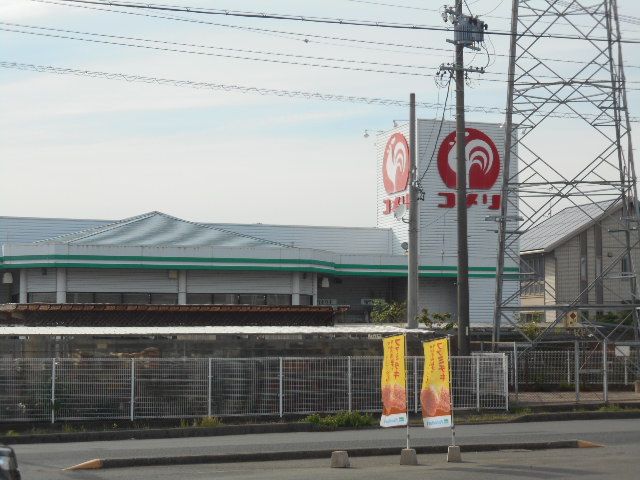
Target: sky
{"points": [[81, 147]]}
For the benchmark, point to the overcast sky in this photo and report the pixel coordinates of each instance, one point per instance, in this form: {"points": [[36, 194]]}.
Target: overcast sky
{"points": [[95, 148]]}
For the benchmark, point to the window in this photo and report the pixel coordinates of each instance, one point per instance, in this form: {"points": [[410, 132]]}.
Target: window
{"points": [[224, 299], [199, 298], [79, 297], [108, 298], [276, 299], [164, 298], [252, 299], [532, 275], [42, 297], [306, 299], [135, 298]]}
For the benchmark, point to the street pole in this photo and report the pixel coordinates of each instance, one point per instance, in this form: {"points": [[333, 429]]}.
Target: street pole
{"points": [[464, 346], [412, 283]]}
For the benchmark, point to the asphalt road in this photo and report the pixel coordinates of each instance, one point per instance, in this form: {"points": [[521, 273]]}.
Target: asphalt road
{"points": [[618, 459]]}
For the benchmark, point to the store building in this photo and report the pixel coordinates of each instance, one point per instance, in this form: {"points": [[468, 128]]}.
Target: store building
{"points": [[155, 258]]}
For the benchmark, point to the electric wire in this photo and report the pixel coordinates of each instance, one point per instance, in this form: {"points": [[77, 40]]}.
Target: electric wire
{"points": [[221, 55], [433, 151], [112, 41], [329, 20], [305, 37], [486, 109], [240, 50]]}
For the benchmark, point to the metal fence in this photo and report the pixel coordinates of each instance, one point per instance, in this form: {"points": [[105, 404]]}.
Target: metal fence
{"points": [[100, 389], [577, 372]]}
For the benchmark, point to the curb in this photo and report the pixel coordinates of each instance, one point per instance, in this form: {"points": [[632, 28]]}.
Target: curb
{"points": [[156, 433], [100, 463], [559, 416], [258, 428]]}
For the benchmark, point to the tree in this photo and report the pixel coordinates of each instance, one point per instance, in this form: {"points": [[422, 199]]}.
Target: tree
{"points": [[388, 312], [436, 320]]}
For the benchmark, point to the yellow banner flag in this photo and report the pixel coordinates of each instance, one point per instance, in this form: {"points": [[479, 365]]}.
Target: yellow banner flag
{"points": [[394, 383], [435, 394]]}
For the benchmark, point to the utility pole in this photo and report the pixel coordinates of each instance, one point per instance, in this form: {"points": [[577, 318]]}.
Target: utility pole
{"points": [[412, 284], [468, 31]]}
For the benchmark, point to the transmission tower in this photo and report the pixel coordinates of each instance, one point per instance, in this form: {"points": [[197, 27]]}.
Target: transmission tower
{"points": [[583, 162]]}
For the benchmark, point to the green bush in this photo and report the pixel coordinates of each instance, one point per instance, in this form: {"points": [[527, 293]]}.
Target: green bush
{"points": [[207, 422], [342, 419]]}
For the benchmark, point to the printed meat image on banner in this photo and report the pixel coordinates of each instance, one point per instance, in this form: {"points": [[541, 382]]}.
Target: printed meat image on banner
{"points": [[394, 383], [435, 395]]}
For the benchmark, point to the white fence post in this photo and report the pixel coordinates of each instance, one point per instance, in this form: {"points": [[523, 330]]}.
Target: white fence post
{"points": [[516, 377], [209, 390], [477, 359], [133, 387], [415, 384], [568, 367], [605, 377], [350, 394], [626, 372], [280, 392], [53, 390], [505, 366], [576, 367]]}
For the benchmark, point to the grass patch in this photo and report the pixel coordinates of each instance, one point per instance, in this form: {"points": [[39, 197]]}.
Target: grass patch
{"points": [[11, 433], [611, 408], [207, 422], [342, 419], [204, 422]]}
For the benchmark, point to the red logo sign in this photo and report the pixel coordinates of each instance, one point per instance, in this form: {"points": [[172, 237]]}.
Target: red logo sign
{"points": [[482, 169], [395, 165], [483, 160]]}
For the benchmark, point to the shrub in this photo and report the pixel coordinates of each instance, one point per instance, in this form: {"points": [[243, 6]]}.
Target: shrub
{"points": [[207, 422], [342, 419]]}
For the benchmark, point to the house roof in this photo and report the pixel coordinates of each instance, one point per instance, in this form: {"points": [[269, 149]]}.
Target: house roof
{"points": [[159, 229], [566, 223]]}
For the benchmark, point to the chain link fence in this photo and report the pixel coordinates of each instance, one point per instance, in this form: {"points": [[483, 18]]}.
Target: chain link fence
{"points": [[101, 389]]}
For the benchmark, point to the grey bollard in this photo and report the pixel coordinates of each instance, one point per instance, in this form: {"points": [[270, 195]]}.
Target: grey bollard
{"points": [[340, 459], [408, 457], [453, 454]]}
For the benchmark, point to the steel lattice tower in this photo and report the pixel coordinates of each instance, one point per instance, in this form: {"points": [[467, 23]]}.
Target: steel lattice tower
{"points": [[584, 96]]}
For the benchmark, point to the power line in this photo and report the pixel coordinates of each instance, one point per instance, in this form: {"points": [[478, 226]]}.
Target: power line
{"points": [[259, 52], [327, 20], [222, 55], [259, 90], [239, 57], [304, 37]]}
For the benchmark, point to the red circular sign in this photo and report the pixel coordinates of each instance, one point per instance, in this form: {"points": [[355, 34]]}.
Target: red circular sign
{"points": [[395, 165], [482, 159]]}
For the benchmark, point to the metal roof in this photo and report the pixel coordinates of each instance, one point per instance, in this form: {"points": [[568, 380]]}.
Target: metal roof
{"points": [[563, 225], [233, 330], [160, 229], [364, 240], [32, 229]]}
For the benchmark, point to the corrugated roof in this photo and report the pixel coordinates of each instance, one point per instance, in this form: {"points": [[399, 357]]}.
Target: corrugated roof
{"points": [[159, 229], [566, 223], [32, 229]]}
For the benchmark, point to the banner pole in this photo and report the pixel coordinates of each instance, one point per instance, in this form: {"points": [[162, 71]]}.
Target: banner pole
{"points": [[406, 386], [453, 423]]}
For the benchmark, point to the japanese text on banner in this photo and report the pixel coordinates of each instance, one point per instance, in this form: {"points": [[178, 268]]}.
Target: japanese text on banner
{"points": [[394, 383], [435, 394]]}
